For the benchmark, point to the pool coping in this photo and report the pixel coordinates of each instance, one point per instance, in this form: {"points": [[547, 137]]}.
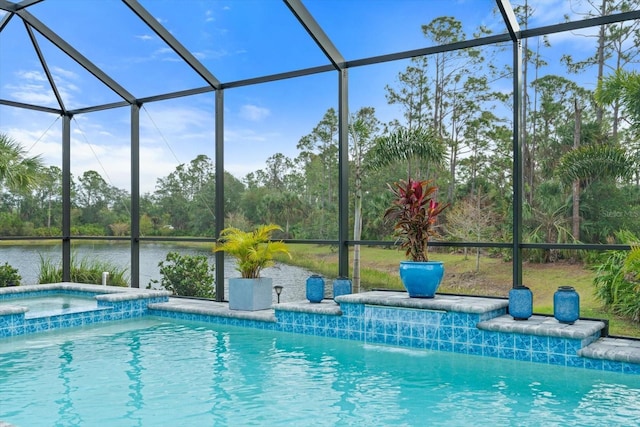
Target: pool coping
{"points": [[445, 302], [543, 326], [109, 293], [212, 308]]}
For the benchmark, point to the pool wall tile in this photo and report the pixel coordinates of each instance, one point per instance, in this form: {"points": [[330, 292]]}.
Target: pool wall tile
{"points": [[445, 346], [460, 347], [630, 368], [394, 325], [557, 345], [490, 351], [540, 357], [506, 353], [557, 359], [524, 355], [575, 361]]}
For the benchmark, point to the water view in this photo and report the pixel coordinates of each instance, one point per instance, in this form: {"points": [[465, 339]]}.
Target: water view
{"points": [[27, 260]]}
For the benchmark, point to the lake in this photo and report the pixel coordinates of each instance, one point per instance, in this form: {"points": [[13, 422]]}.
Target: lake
{"points": [[27, 260]]}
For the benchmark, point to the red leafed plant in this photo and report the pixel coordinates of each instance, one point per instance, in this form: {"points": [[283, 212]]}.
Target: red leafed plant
{"points": [[414, 212]]}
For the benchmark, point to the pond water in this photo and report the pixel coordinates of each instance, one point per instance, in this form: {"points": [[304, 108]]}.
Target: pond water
{"points": [[27, 260]]}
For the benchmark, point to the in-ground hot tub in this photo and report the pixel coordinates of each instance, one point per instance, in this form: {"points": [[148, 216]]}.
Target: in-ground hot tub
{"points": [[39, 308]]}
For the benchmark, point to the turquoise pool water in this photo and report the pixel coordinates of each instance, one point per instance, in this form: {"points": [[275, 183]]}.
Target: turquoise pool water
{"points": [[163, 373]]}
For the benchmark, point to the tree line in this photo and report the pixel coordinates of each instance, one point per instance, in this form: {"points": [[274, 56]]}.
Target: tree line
{"points": [[580, 147]]}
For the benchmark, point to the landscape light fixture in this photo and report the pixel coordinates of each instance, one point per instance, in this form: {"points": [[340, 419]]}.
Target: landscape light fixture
{"points": [[278, 290]]}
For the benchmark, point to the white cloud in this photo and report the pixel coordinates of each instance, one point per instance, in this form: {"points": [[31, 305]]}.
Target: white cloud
{"points": [[240, 136], [33, 75], [32, 94], [63, 73], [253, 112], [208, 16], [144, 37], [211, 54]]}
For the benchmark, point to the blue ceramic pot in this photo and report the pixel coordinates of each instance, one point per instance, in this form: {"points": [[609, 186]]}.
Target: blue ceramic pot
{"points": [[421, 279], [566, 305], [315, 288], [520, 303], [341, 286]]}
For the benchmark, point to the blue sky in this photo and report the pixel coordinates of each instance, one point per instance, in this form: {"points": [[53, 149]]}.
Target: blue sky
{"points": [[236, 40]]}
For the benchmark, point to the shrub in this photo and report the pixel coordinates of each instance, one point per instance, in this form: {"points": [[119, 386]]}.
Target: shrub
{"points": [[85, 271], [9, 276], [617, 281], [187, 275]]}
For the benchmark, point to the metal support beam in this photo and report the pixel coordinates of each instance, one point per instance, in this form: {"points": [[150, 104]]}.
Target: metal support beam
{"points": [[5, 20], [343, 172], [75, 55], [509, 18], [135, 195], [45, 67], [66, 198], [30, 107], [219, 208], [517, 163], [8, 6], [26, 3], [173, 43], [317, 34], [583, 23]]}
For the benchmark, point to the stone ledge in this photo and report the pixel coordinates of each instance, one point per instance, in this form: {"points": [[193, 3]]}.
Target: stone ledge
{"points": [[618, 349], [106, 291], [328, 307], [211, 308], [12, 309], [543, 326], [464, 304]]}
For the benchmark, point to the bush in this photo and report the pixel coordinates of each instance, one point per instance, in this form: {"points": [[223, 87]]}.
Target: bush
{"points": [[187, 275], [9, 276], [617, 281], [85, 271]]}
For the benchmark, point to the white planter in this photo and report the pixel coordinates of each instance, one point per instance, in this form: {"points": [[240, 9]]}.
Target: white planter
{"points": [[250, 294]]}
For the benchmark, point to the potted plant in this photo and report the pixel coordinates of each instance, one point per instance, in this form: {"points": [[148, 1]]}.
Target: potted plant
{"points": [[253, 251], [414, 212]]}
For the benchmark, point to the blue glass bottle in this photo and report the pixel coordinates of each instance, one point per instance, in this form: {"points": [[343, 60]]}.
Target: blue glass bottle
{"points": [[566, 305], [341, 286], [315, 288], [520, 303]]}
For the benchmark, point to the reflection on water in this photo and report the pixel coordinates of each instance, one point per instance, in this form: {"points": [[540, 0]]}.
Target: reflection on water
{"points": [[27, 260]]}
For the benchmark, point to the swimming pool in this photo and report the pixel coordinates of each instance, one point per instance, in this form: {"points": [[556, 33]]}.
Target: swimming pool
{"points": [[154, 371]]}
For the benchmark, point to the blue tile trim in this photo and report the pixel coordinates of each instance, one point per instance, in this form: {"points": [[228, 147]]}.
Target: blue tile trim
{"points": [[395, 326]]}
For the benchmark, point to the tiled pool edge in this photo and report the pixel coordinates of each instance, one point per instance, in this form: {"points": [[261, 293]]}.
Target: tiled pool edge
{"points": [[467, 325]]}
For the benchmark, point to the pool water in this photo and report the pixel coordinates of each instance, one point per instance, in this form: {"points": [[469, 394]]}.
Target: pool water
{"points": [[49, 303], [162, 373]]}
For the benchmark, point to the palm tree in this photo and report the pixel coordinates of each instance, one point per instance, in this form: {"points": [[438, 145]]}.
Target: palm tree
{"points": [[17, 171], [595, 161], [410, 145], [625, 87]]}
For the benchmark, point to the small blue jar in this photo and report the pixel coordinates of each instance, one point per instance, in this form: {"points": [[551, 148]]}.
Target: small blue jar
{"points": [[566, 305], [520, 303], [315, 288], [341, 286]]}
